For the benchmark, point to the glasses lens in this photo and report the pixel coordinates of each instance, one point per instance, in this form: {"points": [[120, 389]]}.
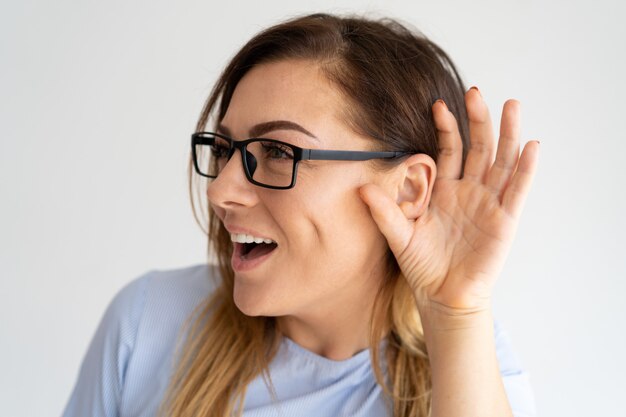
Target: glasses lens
{"points": [[270, 163], [212, 155]]}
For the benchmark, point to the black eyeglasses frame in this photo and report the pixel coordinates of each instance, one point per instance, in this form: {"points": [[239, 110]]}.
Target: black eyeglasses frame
{"points": [[299, 154]]}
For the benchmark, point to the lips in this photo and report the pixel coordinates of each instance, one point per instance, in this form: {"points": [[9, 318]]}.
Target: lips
{"points": [[252, 246], [249, 247]]}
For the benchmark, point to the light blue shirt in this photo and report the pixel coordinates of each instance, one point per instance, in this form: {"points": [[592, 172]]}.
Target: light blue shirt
{"points": [[130, 359]]}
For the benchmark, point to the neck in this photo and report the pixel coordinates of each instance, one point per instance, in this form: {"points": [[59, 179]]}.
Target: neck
{"points": [[338, 331]]}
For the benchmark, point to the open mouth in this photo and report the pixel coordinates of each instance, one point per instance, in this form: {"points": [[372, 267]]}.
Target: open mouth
{"points": [[249, 251]]}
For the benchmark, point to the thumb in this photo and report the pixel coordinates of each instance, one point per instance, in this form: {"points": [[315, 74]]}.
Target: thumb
{"points": [[388, 217]]}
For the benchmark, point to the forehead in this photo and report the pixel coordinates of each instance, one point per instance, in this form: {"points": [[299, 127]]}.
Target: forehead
{"points": [[292, 90]]}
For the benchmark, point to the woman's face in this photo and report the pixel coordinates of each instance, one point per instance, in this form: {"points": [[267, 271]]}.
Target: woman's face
{"points": [[330, 254]]}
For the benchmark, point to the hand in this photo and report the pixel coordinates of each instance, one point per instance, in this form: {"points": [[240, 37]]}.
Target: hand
{"points": [[452, 254]]}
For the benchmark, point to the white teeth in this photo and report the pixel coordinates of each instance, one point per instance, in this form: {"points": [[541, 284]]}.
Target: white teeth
{"points": [[244, 238]]}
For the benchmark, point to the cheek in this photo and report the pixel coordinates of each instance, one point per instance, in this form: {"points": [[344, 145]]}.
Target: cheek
{"points": [[340, 212], [324, 215], [348, 226]]}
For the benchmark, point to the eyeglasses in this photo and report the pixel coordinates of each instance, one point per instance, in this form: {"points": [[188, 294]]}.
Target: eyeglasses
{"points": [[267, 163]]}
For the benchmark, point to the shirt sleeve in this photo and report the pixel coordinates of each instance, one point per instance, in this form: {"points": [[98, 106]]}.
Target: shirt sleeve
{"points": [[100, 382], [516, 379]]}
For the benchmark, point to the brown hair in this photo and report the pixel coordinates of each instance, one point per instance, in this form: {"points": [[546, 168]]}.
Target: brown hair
{"points": [[390, 77]]}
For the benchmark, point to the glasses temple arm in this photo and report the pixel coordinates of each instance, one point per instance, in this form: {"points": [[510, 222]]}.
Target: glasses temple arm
{"points": [[328, 155]]}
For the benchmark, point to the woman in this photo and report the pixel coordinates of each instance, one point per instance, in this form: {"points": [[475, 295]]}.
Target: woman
{"points": [[360, 222]]}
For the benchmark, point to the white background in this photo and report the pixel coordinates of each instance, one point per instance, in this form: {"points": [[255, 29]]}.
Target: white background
{"points": [[97, 101]]}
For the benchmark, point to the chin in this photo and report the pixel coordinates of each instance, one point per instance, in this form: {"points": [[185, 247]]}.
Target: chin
{"points": [[250, 312], [249, 303]]}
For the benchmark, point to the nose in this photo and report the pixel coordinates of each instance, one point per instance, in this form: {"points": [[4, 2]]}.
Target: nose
{"points": [[231, 189]]}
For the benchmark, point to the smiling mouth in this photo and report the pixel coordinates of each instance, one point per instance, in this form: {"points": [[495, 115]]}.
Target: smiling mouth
{"points": [[249, 251]]}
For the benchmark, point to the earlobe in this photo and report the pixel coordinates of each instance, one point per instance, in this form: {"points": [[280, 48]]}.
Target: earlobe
{"points": [[416, 181]]}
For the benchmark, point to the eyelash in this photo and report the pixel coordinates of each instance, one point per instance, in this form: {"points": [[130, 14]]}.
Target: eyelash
{"points": [[219, 151], [268, 147], [285, 150]]}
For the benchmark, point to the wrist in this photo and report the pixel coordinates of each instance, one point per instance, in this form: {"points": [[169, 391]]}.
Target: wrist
{"points": [[439, 317], [450, 333]]}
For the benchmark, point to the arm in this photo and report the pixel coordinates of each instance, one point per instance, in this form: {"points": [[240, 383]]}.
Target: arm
{"points": [[466, 377], [472, 356], [451, 247]]}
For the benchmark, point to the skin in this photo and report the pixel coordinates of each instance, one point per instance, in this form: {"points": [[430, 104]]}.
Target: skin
{"points": [[320, 284], [449, 230]]}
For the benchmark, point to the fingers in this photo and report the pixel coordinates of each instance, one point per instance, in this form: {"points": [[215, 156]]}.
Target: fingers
{"points": [[481, 152], [388, 217], [515, 194], [508, 148], [450, 144]]}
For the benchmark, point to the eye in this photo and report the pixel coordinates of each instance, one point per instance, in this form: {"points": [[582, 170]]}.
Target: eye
{"points": [[273, 150], [219, 149]]}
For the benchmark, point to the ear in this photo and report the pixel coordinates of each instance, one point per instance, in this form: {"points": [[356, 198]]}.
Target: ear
{"points": [[416, 180]]}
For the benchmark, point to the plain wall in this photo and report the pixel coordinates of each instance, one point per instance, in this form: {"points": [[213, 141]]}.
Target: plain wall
{"points": [[97, 102]]}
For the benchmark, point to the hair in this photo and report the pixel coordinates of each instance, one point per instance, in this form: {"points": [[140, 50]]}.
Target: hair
{"points": [[390, 76]]}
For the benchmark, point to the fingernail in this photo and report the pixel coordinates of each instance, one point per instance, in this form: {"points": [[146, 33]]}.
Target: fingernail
{"points": [[442, 102], [475, 88]]}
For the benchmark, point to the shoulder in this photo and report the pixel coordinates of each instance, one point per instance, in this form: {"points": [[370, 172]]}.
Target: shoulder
{"points": [[154, 303], [127, 360], [153, 307], [174, 289], [168, 300], [179, 286], [170, 296]]}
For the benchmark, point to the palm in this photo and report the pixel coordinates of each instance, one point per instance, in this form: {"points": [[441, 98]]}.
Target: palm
{"points": [[469, 238], [453, 253]]}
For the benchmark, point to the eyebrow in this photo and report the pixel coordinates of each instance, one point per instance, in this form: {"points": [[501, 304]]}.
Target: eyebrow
{"points": [[262, 128]]}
